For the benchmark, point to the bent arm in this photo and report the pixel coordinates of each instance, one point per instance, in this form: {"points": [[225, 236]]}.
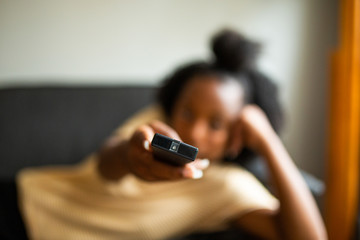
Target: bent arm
{"points": [[298, 216]]}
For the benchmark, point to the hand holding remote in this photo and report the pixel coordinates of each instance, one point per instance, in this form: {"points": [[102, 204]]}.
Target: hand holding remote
{"points": [[172, 151], [140, 159]]}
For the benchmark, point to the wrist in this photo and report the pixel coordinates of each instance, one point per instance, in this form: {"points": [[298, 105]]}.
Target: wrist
{"points": [[268, 141], [113, 160], [123, 155]]}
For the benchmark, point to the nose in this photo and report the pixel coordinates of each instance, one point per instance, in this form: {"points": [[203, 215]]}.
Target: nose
{"points": [[198, 133]]}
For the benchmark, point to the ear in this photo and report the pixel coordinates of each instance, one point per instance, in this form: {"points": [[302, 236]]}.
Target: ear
{"points": [[236, 142]]}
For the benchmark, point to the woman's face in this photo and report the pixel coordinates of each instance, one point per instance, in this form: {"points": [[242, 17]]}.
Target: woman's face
{"points": [[205, 113]]}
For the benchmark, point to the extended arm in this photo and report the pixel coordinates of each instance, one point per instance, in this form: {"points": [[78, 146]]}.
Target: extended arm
{"points": [[120, 156]]}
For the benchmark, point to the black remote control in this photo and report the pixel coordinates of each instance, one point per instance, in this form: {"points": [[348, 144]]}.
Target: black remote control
{"points": [[172, 151]]}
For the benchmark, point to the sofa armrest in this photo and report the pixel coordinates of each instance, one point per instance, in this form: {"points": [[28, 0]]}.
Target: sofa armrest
{"points": [[11, 224]]}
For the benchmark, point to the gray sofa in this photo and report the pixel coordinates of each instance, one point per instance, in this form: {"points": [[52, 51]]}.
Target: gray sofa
{"points": [[55, 125], [61, 125]]}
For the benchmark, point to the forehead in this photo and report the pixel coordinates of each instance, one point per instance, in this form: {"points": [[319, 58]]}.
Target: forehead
{"points": [[215, 94]]}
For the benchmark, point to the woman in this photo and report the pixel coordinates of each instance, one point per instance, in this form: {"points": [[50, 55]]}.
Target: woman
{"points": [[123, 192]]}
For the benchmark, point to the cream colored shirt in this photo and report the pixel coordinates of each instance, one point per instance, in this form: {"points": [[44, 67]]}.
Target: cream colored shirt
{"points": [[76, 203]]}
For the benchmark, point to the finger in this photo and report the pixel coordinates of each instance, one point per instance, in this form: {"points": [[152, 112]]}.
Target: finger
{"points": [[161, 170], [164, 171], [200, 163], [164, 129], [191, 171], [143, 136]]}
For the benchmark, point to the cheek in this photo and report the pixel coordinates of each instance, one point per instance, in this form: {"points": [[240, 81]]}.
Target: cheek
{"points": [[178, 125]]}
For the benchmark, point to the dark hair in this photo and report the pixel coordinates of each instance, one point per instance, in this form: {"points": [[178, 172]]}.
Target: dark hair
{"points": [[236, 56], [174, 84], [233, 52]]}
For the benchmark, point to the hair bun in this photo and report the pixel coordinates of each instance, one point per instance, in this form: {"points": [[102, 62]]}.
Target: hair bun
{"points": [[234, 52]]}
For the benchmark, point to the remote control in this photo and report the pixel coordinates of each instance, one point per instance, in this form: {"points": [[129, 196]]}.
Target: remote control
{"points": [[172, 151]]}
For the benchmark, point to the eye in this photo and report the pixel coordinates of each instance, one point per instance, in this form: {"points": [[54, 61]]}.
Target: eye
{"points": [[216, 124], [187, 115]]}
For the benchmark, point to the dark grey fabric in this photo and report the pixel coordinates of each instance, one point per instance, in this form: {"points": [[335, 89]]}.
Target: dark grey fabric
{"points": [[59, 125], [11, 224]]}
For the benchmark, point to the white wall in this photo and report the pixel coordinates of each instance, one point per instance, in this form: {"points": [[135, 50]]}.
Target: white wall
{"points": [[133, 41]]}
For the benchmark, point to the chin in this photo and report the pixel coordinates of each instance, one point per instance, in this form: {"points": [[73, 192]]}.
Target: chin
{"points": [[213, 160]]}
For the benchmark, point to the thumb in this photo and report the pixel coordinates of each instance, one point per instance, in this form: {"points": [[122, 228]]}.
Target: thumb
{"points": [[143, 136]]}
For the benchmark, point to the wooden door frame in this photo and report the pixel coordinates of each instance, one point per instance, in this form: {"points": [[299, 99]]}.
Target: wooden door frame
{"points": [[342, 200]]}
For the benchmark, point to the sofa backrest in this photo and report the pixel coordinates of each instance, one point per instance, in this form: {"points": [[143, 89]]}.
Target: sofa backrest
{"points": [[61, 125]]}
